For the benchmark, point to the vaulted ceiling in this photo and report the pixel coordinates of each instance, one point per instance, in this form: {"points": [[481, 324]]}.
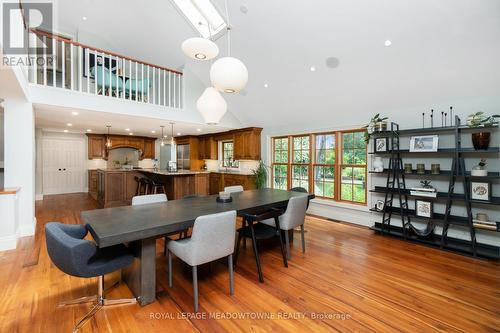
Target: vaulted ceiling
{"points": [[442, 51]]}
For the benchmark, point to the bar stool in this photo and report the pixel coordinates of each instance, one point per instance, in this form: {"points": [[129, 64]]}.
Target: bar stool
{"points": [[155, 186], [141, 186]]}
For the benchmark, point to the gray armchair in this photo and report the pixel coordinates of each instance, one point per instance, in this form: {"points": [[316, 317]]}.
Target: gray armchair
{"points": [[293, 217], [79, 257], [212, 238]]}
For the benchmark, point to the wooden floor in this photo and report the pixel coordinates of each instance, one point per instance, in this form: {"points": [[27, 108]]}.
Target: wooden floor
{"points": [[348, 280]]}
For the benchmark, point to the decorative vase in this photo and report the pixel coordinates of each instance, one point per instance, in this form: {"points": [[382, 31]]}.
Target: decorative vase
{"points": [[381, 126], [435, 169], [378, 164], [481, 140], [479, 171], [420, 168]]}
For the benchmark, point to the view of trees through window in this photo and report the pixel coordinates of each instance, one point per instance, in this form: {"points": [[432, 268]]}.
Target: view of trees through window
{"points": [[311, 161], [228, 154]]}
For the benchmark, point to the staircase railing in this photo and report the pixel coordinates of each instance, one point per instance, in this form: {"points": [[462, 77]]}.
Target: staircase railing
{"points": [[70, 65]]}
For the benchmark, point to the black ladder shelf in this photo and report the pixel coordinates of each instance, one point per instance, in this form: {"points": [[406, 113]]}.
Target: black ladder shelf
{"points": [[396, 193]]}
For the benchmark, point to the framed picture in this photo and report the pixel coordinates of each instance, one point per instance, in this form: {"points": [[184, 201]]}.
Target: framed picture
{"points": [[380, 205], [424, 208], [381, 145], [480, 191], [426, 143]]}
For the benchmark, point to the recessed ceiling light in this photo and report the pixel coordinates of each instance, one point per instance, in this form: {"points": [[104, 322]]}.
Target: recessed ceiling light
{"points": [[89, 130], [178, 133], [153, 132], [69, 124], [65, 131], [131, 133], [84, 18], [266, 85], [387, 43], [74, 113], [127, 129], [198, 129], [313, 69]]}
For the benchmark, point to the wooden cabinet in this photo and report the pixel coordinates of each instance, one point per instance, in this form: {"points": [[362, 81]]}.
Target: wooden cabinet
{"points": [[116, 188], [247, 144], [215, 183], [149, 149], [220, 180], [92, 174], [207, 148], [96, 146]]}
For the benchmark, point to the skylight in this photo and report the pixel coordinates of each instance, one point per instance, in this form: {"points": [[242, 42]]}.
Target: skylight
{"points": [[202, 14]]}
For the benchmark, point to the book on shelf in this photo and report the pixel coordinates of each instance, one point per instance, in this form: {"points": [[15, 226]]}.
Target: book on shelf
{"points": [[484, 222], [423, 189], [423, 194], [486, 226]]}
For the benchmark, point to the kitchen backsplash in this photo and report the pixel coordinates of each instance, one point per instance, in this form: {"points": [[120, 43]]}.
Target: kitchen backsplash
{"points": [[245, 166], [122, 156]]}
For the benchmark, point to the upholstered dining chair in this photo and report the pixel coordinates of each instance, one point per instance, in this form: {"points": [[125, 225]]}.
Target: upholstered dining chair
{"points": [[212, 238], [233, 189], [151, 199], [76, 256], [293, 217]]}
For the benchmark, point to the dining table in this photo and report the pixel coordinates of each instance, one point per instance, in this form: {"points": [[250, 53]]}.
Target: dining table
{"points": [[140, 226]]}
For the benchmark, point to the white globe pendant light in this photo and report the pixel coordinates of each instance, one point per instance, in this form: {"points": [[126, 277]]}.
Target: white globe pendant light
{"points": [[212, 106], [200, 48], [229, 75]]}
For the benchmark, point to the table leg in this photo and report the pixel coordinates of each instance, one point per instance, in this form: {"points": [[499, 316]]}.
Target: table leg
{"points": [[140, 276]]}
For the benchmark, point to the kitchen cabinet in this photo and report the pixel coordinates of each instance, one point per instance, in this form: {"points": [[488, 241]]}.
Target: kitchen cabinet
{"points": [[207, 148], [247, 144], [92, 175], [96, 146], [220, 180], [116, 187]]}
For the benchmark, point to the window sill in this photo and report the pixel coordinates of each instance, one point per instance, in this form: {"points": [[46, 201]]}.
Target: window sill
{"points": [[345, 205]]}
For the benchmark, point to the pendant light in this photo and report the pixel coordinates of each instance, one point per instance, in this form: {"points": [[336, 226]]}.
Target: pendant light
{"points": [[228, 74], [200, 48], [162, 141], [172, 140], [211, 105], [108, 140]]}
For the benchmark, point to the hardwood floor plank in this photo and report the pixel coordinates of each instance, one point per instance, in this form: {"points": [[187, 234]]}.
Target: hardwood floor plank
{"points": [[349, 279]]}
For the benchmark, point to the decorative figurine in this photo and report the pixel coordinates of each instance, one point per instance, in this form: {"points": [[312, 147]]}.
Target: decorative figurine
{"points": [[408, 168], [435, 169], [445, 116], [423, 119], [451, 115], [420, 168], [432, 116], [442, 119]]}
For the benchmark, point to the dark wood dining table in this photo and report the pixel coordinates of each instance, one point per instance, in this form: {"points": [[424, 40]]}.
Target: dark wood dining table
{"points": [[140, 226]]}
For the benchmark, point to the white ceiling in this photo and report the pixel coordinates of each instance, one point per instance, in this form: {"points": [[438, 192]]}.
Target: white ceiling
{"points": [[57, 118], [442, 51]]}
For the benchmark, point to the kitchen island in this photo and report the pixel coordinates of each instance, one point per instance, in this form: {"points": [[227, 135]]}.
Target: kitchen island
{"points": [[116, 187]]}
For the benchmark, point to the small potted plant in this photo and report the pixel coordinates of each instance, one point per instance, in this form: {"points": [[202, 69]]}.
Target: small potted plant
{"points": [[260, 174], [480, 170], [376, 124], [481, 140]]}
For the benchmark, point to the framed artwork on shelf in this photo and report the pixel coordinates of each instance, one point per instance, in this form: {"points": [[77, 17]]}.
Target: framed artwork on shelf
{"points": [[480, 191], [381, 145], [425, 143], [380, 205], [424, 208]]}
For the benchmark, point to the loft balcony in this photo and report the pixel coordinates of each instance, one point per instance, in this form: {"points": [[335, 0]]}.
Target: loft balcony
{"points": [[68, 65]]}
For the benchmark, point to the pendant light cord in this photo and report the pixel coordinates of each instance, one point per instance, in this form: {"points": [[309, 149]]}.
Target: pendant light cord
{"points": [[228, 30]]}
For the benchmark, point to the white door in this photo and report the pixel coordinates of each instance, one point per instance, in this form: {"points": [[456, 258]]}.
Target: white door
{"points": [[63, 165]]}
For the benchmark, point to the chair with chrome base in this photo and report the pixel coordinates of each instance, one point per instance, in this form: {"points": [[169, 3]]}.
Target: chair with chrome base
{"points": [[212, 238], [293, 217], [82, 258]]}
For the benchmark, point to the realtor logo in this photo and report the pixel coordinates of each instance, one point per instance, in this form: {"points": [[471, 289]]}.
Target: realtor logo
{"points": [[15, 37]]}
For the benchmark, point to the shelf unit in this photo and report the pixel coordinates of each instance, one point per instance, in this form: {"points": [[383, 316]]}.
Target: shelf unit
{"points": [[457, 173]]}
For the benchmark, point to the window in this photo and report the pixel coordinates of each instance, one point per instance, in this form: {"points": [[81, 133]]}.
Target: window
{"points": [[280, 163], [353, 183], [228, 153], [331, 165], [301, 159], [201, 14], [324, 165]]}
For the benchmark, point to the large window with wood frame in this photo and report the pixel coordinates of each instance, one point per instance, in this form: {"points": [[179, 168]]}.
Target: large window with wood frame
{"points": [[330, 165]]}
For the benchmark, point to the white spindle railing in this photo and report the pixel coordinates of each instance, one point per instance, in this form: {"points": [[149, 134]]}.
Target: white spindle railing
{"points": [[78, 67]]}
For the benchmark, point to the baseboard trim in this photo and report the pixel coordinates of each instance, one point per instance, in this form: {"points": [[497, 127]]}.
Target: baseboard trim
{"points": [[39, 197], [8, 243], [27, 230]]}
